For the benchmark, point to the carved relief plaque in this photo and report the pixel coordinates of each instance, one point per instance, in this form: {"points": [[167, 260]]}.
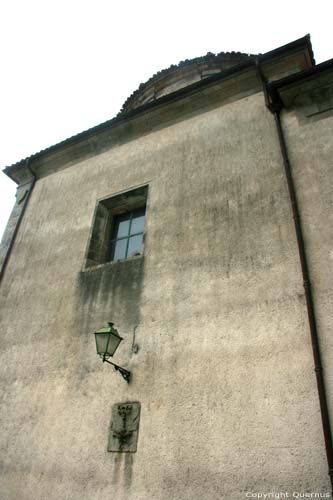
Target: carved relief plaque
{"points": [[124, 427]]}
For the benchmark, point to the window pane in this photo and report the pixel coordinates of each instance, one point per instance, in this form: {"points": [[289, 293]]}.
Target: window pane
{"points": [[118, 249], [121, 227], [134, 245], [138, 221]]}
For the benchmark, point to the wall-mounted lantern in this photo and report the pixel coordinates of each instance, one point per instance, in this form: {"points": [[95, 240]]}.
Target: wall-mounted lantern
{"points": [[107, 341]]}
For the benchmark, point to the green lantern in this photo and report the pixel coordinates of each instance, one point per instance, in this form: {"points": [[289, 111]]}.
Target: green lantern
{"points": [[107, 341]]}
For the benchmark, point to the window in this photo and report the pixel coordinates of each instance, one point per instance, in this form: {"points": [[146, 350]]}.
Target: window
{"points": [[127, 234], [118, 228]]}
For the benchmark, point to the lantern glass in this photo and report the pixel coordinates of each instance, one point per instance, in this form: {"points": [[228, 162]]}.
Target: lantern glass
{"points": [[107, 341]]}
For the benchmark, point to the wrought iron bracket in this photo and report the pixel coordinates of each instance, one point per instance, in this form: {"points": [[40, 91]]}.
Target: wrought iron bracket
{"points": [[124, 373]]}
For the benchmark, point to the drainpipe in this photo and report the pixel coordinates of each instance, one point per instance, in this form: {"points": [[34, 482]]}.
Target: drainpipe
{"points": [[12, 237], [274, 104]]}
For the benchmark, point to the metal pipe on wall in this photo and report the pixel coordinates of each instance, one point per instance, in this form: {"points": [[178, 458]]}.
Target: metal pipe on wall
{"points": [[275, 105]]}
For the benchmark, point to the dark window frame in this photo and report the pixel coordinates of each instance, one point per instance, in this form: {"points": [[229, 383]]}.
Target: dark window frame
{"points": [[128, 236], [107, 210]]}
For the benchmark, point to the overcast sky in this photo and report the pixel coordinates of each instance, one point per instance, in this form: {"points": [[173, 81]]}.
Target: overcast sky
{"points": [[69, 65]]}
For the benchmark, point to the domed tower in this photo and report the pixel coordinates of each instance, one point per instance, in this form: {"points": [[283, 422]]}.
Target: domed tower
{"points": [[182, 75]]}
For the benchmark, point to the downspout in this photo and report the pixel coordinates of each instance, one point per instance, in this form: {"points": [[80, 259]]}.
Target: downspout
{"points": [[12, 237], [275, 105]]}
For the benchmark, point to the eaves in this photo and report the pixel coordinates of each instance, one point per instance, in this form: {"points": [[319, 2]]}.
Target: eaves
{"points": [[85, 140]]}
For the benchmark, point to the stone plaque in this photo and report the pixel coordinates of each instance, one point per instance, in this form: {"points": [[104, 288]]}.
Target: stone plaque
{"points": [[124, 427]]}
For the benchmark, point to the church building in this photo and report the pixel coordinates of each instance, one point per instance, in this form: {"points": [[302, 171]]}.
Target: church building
{"points": [[166, 292]]}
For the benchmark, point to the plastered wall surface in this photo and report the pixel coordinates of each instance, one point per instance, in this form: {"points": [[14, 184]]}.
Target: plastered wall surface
{"points": [[311, 154], [224, 371]]}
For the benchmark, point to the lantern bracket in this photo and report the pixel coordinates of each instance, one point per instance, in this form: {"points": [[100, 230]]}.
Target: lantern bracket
{"points": [[124, 373]]}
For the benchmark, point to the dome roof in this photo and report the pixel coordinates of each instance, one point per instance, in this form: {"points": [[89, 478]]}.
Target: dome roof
{"points": [[181, 75]]}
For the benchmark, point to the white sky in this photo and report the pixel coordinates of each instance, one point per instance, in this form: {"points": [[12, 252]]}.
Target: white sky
{"points": [[69, 65]]}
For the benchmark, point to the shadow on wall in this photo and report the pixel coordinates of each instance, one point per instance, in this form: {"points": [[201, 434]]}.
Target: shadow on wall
{"points": [[111, 292]]}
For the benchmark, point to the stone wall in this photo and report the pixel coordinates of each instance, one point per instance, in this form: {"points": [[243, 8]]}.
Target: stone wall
{"points": [[224, 370], [311, 153]]}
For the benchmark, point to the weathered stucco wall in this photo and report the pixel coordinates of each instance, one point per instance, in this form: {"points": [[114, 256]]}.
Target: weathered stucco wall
{"points": [[224, 371], [311, 153]]}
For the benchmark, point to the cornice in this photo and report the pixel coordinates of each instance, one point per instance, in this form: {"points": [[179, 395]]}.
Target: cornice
{"points": [[272, 62]]}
